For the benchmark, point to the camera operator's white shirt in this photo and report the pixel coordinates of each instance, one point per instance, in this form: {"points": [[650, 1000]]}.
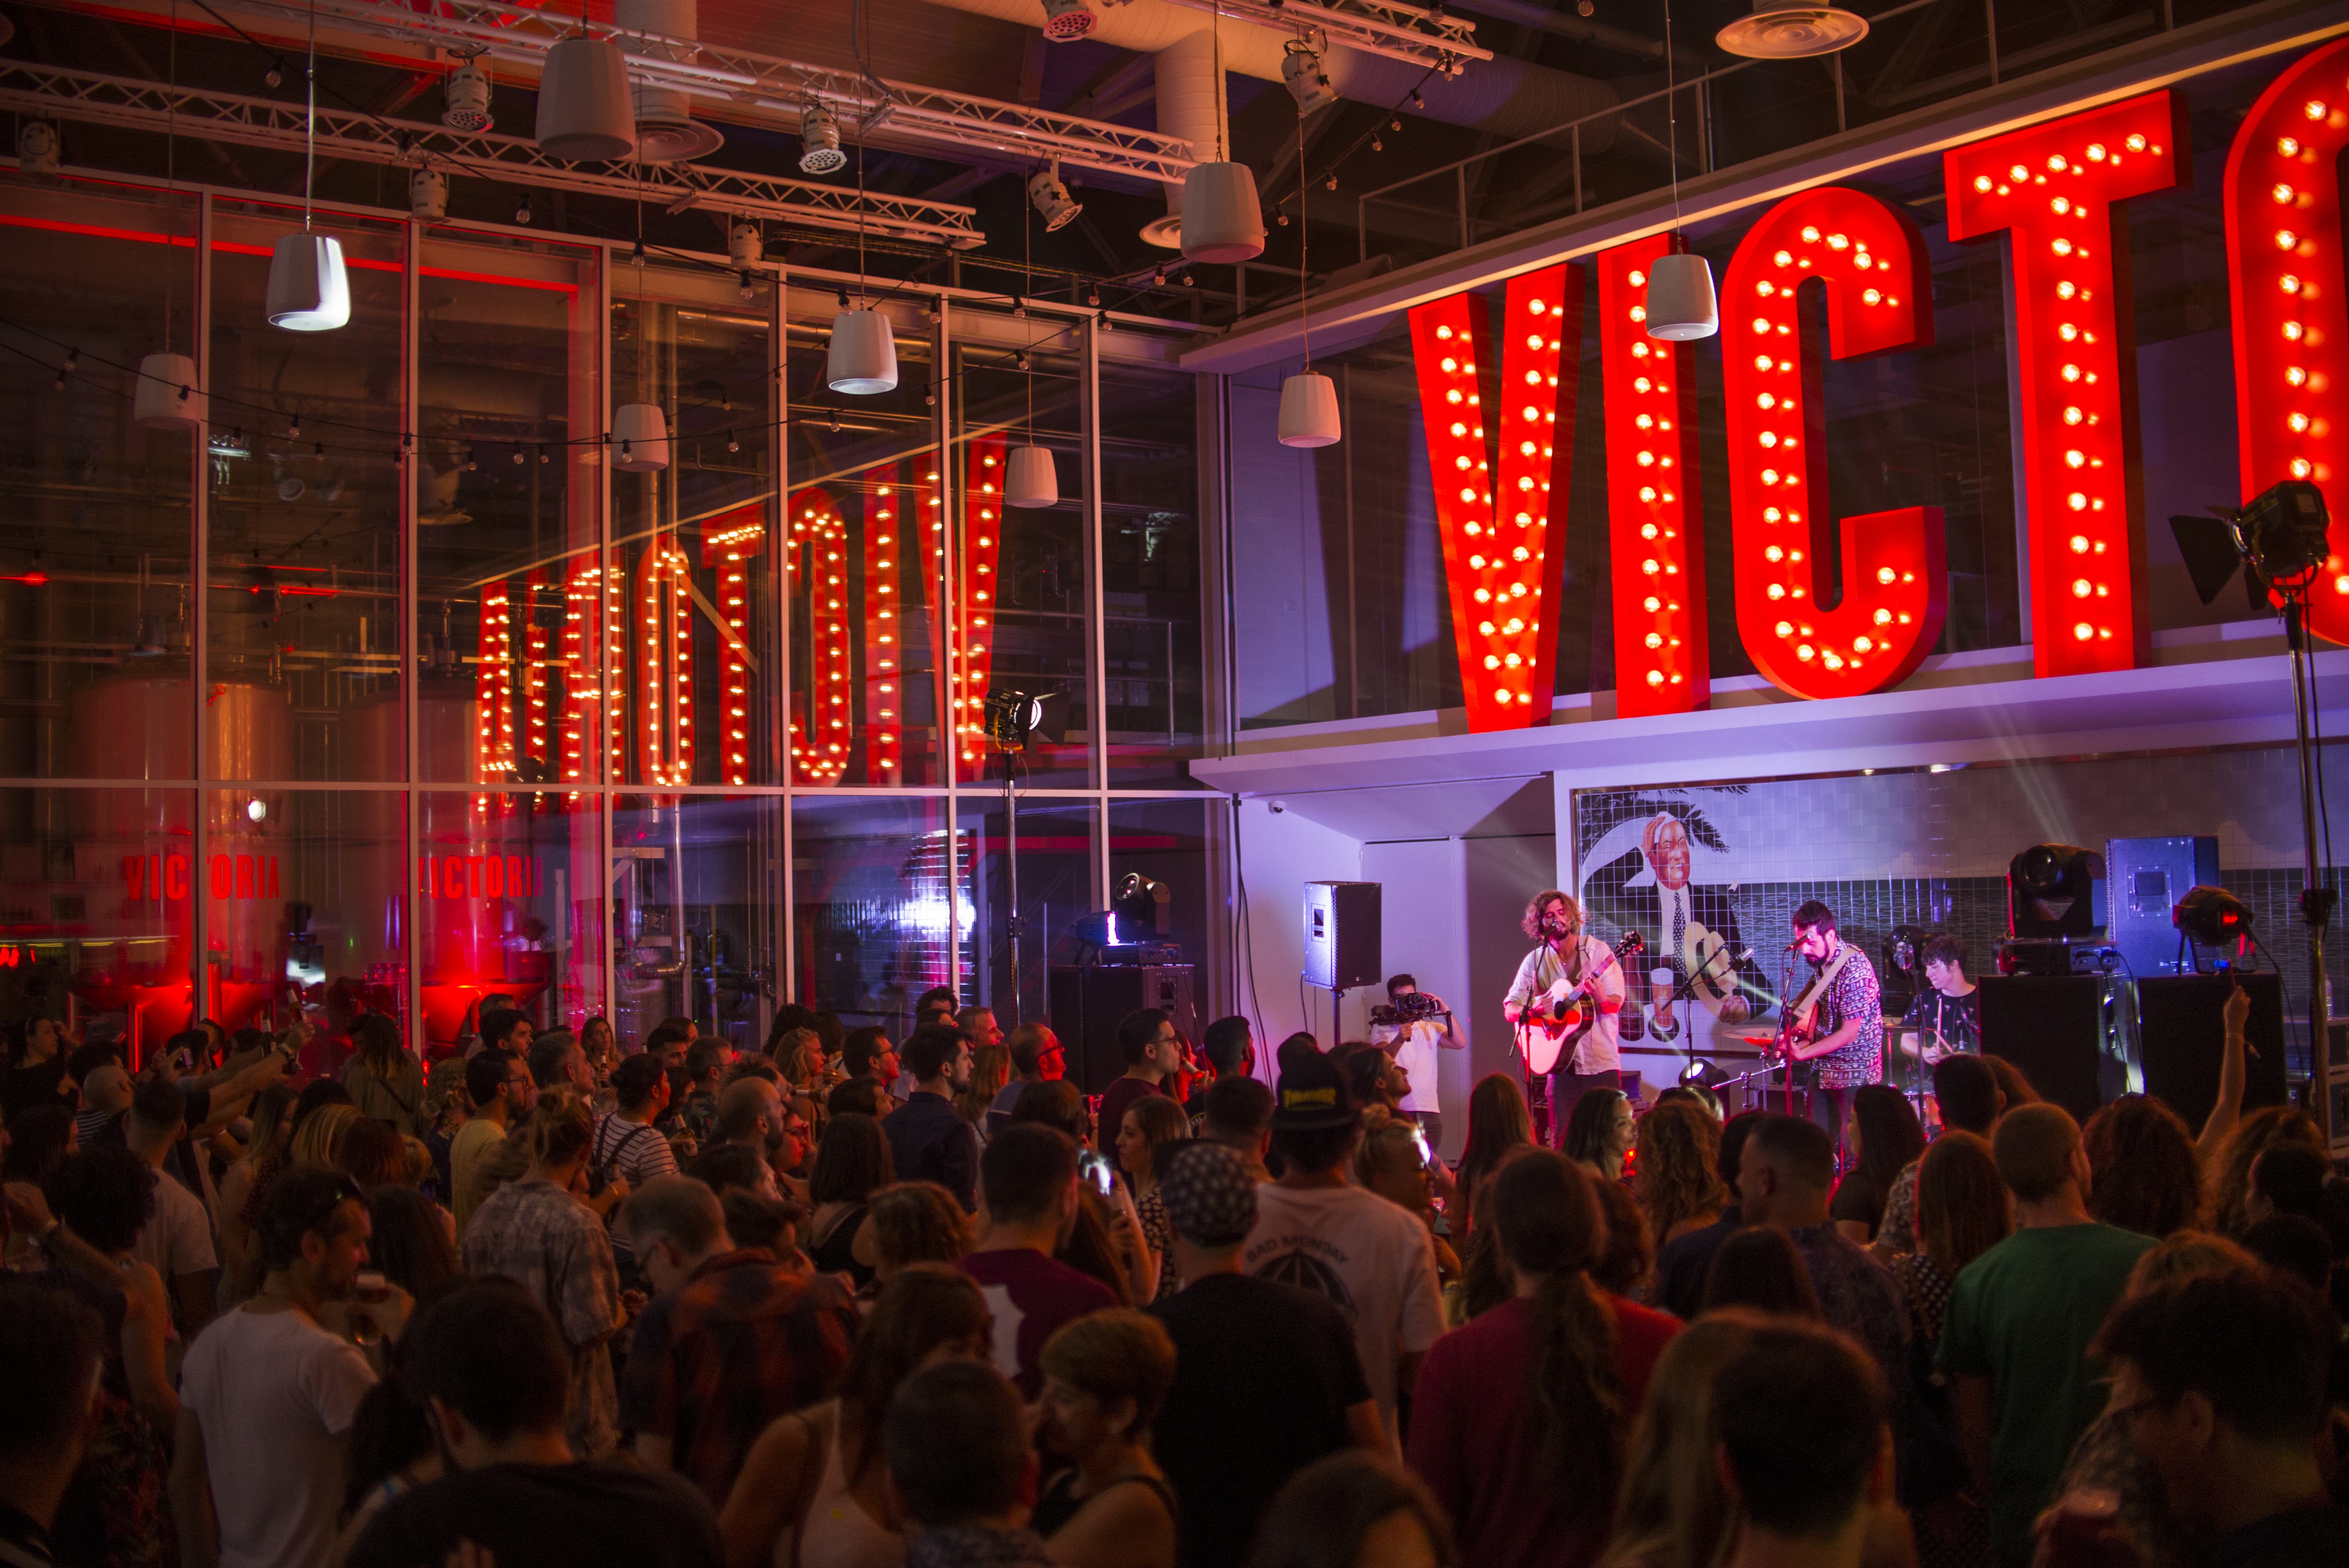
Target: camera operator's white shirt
{"points": [[1415, 1048]]}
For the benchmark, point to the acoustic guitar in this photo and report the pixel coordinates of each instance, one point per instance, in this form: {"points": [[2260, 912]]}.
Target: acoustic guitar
{"points": [[1553, 1024]]}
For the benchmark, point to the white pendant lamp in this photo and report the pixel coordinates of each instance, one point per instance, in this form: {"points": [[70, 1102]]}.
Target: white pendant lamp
{"points": [[1030, 478], [308, 289], [1309, 399], [166, 399], [584, 112], [1309, 410], [428, 195], [639, 438], [1681, 303], [1222, 221], [863, 359]]}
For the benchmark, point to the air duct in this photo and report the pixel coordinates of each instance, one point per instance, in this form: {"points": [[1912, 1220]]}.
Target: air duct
{"points": [[1503, 96], [667, 131]]}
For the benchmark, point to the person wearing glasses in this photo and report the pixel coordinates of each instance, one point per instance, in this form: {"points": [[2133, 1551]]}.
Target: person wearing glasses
{"points": [[268, 1392]]}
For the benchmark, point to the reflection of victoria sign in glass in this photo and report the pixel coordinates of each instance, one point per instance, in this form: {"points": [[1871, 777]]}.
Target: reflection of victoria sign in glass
{"points": [[2055, 193]]}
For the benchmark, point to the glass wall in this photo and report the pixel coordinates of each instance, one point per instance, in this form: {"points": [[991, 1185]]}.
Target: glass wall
{"points": [[1339, 607], [560, 638]]}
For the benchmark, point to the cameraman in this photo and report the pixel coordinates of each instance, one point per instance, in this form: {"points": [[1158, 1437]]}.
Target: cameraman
{"points": [[1412, 1032]]}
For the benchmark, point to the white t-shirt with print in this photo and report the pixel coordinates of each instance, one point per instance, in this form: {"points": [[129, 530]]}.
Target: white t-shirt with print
{"points": [[275, 1394], [1369, 1256]]}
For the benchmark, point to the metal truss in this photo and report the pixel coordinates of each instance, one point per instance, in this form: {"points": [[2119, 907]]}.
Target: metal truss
{"points": [[523, 35], [509, 160], [1373, 27]]}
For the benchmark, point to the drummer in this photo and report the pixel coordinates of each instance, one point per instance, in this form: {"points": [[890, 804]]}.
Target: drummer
{"points": [[1946, 1017]]}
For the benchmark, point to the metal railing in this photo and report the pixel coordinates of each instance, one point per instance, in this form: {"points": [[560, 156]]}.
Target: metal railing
{"points": [[2155, 18]]}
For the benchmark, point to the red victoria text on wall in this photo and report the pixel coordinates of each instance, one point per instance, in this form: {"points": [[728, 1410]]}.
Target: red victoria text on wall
{"points": [[2056, 194]]}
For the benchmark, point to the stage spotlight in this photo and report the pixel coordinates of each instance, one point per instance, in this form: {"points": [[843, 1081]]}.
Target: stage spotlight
{"points": [[1141, 905], [820, 141], [2281, 532], [2211, 916], [2051, 890], [1014, 718], [1301, 70], [1051, 199]]}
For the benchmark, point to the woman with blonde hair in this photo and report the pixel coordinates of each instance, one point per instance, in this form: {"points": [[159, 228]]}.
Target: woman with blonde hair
{"points": [[1678, 1166], [319, 1140], [1672, 1512], [990, 1069], [799, 1057]]}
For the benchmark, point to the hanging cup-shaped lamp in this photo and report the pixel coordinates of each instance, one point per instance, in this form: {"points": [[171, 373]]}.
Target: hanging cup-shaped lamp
{"points": [[1681, 305], [639, 438], [863, 359], [1030, 478], [166, 399], [1309, 410], [1222, 221], [308, 289], [585, 111]]}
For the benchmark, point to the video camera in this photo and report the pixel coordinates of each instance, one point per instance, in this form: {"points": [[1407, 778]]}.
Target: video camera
{"points": [[1407, 1008]]}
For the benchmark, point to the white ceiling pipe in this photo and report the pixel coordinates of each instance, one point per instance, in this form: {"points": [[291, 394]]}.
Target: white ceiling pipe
{"points": [[667, 131], [1507, 98], [1193, 105]]}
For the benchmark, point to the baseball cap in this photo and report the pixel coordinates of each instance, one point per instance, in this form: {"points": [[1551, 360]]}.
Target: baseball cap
{"points": [[1210, 1197], [1313, 1096]]}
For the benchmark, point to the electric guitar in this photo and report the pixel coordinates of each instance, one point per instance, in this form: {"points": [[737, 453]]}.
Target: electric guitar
{"points": [[1553, 1024]]}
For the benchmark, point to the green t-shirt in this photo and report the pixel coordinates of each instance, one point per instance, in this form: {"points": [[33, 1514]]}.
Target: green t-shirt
{"points": [[2021, 1314]]}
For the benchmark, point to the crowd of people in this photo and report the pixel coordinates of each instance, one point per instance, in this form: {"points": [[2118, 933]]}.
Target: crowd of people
{"points": [[306, 1301]]}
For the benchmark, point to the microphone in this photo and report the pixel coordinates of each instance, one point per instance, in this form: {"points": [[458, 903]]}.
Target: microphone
{"points": [[1792, 946], [1745, 955]]}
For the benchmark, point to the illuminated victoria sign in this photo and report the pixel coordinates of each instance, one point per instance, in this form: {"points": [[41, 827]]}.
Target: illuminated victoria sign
{"points": [[2053, 193]]}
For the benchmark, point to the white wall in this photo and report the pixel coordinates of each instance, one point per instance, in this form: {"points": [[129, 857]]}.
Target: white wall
{"points": [[1281, 851]]}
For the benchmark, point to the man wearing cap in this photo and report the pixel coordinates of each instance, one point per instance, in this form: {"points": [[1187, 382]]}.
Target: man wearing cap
{"points": [[1266, 1376], [1371, 1258]]}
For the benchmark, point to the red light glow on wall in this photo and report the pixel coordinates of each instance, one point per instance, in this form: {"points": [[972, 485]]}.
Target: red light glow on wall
{"points": [[2291, 316], [2055, 190], [1662, 660], [971, 637], [814, 558], [1495, 524], [664, 664], [1894, 582]]}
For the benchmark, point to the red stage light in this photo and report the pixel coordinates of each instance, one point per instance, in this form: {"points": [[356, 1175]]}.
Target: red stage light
{"points": [[1895, 588], [2291, 320], [1661, 659], [1503, 575], [2056, 188]]}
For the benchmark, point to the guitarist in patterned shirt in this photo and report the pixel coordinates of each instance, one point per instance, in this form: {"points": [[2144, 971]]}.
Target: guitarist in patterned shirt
{"points": [[1840, 1032], [1566, 968]]}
